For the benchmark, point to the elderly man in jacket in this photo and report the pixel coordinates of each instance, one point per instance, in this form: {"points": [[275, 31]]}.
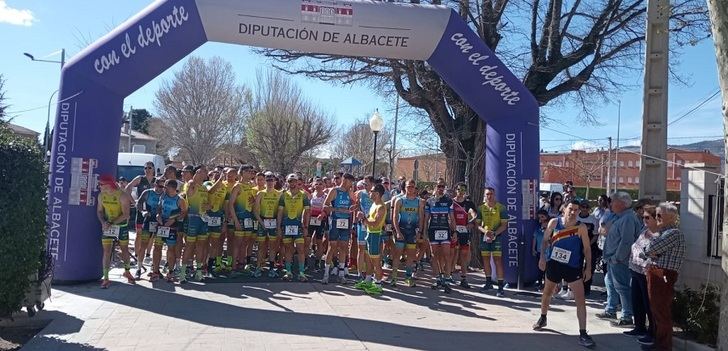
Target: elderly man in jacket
{"points": [[624, 227]]}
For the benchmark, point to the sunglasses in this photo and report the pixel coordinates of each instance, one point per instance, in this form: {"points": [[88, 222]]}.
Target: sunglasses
{"points": [[440, 186]]}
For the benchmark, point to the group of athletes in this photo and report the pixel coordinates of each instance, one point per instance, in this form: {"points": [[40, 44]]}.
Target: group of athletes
{"points": [[340, 223], [239, 209]]}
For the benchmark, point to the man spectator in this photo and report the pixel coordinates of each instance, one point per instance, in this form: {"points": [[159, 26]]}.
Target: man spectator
{"points": [[665, 255], [623, 229]]}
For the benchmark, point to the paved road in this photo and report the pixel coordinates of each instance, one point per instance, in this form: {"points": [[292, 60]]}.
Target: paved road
{"points": [[304, 316]]}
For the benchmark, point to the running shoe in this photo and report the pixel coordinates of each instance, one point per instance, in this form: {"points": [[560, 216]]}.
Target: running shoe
{"points": [[646, 340], [586, 341], [325, 279], [138, 274], [154, 277], [487, 286], [392, 282], [182, 278], [199, 276], [248, 268], [622, 323], [129, 277], [636, 332], [606, 315], [464, 284], [287, 275], [105, 284], [410, 282], [257, 273], [540, 324], [374, 289], [362, 284], [272, 273], [302, 277], [500, 293]]}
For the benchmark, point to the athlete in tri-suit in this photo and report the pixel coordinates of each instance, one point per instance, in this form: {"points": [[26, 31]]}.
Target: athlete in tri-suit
{"points": [[567, 256]]}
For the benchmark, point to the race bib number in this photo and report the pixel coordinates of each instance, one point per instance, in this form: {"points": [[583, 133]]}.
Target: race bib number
{"points": [[163, 232], [388, 227], [205, 218], [248, 223], [560, 255], [255, 225], [342, 223], [269, 223], [112, 231], [461, 229], [441, 235], [291, 230], [214, 221], [153, 227], [315, 221]]}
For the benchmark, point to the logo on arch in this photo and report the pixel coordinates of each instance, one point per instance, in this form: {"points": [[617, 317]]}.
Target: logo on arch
{"points": [[338, 13]]}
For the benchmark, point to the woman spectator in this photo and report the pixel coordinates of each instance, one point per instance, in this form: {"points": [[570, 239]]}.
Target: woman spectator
{"points": [[557, 200], [637, 264], [542, 218]]}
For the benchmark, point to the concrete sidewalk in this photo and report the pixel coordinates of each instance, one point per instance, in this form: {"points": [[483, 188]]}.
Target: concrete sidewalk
{"points": [[310, 316]]}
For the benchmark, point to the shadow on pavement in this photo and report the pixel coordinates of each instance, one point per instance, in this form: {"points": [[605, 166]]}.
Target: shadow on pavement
{"points": [[60, 324], [387, 333]]}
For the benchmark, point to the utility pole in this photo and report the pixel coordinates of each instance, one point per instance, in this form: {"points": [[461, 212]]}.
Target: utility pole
{"points": [[616, 151], [719, 24], [653, 173], [609, 167], [394, 139], [131, 126]]}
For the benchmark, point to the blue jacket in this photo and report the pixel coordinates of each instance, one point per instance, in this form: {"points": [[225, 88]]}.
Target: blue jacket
{"points": [[623, 229]]}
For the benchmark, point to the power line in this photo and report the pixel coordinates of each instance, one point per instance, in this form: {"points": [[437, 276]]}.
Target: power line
{"points": [[44, 106], [705, 101], [646, 156]]}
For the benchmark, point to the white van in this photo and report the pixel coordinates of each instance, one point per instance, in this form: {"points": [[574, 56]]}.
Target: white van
{"points": [[131, 164], [549, 188]]}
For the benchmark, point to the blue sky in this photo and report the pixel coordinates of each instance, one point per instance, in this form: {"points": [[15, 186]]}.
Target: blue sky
{"points": [[42, 27]]}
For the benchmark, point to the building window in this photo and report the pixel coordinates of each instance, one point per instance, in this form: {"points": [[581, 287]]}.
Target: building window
{"points": [[637, 163], [629, 163], [629, 180], [621, 180], [636, 180], [621, 163]]}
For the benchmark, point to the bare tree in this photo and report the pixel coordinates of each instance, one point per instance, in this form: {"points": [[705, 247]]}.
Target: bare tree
{"points": [[357, 141], [566, 51], [202, 108], [3, 105], [283, 125], [719, 24]]}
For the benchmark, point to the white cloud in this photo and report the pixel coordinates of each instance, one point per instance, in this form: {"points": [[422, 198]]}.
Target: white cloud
{"points": [[16, 17], [584, 145]]}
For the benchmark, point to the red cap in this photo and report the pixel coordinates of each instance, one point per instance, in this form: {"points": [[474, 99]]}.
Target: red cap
{"points": [[107, 179]]}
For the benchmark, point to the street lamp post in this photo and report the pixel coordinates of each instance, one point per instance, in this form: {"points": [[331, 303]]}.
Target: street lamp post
{"points": [[48, 119], [376, 123]]}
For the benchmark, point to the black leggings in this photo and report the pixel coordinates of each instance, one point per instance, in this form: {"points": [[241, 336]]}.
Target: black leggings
{"points": [[641, 303]]}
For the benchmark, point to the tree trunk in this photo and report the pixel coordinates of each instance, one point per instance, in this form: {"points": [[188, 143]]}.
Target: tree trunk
{"points": [[719, 25]]}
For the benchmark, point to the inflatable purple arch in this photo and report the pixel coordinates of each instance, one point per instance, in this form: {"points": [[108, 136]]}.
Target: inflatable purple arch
{"points": [[96, 81]]}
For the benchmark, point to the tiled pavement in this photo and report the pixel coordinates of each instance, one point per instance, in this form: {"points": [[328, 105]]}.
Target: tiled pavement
{"points": [[305, 316]]}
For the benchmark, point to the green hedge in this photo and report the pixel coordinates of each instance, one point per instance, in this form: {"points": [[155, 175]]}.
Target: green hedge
{"points": [[22, 217], [634, 193], [697, 313]]}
